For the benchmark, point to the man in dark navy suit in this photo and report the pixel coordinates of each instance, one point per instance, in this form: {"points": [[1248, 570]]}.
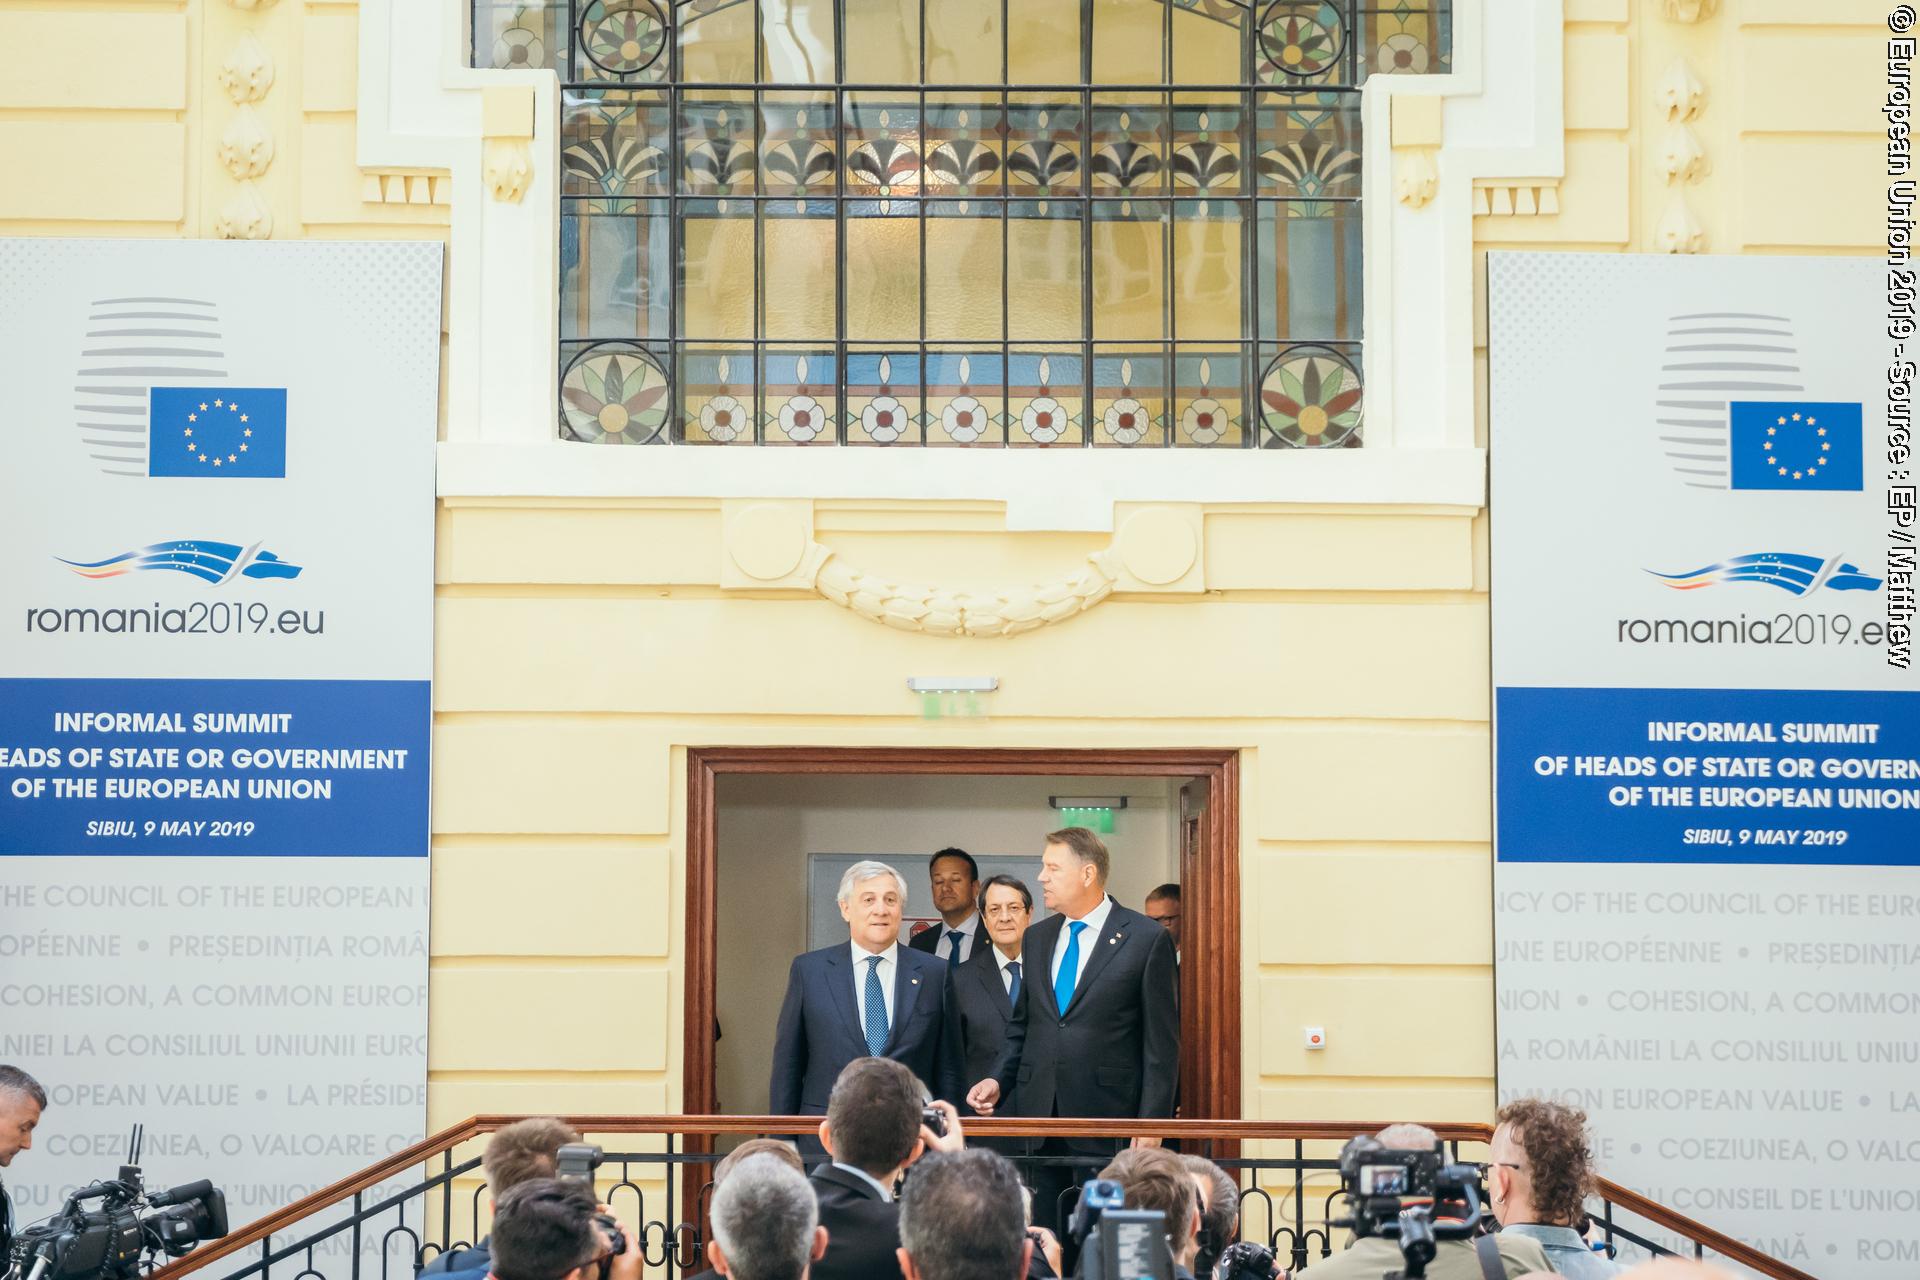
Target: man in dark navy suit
{"points": [[866, 997], [985, 987], [954, 878], [1096, 1030]]}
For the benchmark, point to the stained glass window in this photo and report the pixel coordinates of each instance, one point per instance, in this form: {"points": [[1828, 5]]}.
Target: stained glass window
{"points": [[962, 222]]}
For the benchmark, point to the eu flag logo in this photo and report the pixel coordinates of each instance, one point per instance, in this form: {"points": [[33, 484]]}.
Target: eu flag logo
{"points": [[217, 431], [1781, 445]]}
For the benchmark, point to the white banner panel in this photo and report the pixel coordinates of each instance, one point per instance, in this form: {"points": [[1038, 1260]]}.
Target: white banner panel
{"points": [[215, 653], [1707, 744]]}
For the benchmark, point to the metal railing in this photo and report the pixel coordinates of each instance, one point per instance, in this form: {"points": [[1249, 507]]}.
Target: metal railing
{"points": [[396, 1216]]}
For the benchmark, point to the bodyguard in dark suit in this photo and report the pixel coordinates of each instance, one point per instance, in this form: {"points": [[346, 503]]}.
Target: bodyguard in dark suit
{"points": [[867, 997], [985, 987], [1096, 1030]]}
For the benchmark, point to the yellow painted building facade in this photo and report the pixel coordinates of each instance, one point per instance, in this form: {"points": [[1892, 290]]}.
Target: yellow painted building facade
{"points": [[598, 615]]}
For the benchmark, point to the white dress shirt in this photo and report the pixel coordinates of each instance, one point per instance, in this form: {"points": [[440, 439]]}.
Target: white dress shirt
{"points": [[1006, 978], [968, 929], [889, 960], [1095, 919], [886, 1193]]}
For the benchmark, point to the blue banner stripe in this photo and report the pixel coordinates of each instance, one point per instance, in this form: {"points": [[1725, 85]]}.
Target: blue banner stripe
{"points": [[305, 768]]}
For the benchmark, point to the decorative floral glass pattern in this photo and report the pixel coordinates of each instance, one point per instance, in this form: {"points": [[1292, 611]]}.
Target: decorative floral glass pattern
{"points": [[883, 222]]}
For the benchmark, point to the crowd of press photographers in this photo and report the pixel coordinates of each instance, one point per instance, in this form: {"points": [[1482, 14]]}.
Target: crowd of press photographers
{"points": [[901, 1196]]}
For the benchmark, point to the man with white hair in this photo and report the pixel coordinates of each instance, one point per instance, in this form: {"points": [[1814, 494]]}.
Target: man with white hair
{"points": [[866, 997], [766, 1223]]}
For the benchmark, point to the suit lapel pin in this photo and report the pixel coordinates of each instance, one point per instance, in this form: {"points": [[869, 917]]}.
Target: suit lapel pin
{"points": [[916, 982]]}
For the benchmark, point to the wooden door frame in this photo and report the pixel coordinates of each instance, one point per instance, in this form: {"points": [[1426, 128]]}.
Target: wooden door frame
{"points": [[1210, 900]]}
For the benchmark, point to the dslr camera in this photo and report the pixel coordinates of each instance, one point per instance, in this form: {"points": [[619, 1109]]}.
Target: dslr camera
{"points": [[118, 1239], [1115, 1242], [575, 1162], [1415, 1198]]}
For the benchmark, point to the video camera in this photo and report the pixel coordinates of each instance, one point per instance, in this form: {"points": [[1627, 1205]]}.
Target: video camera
{"points": [[1414, 1198], [1117, 1242], [575, 1162], [118, 1239]]}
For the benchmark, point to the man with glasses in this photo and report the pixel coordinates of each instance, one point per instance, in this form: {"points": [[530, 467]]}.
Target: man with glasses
{"points": [[1538, 1182], [544, 1229], [986, 987], [1370, 1257]]}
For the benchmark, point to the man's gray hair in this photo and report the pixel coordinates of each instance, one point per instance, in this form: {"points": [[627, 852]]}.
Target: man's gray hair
{"points": [[764, 1217], [962, 1217], [861, 872], [14, 1080], [1408, 1137]]}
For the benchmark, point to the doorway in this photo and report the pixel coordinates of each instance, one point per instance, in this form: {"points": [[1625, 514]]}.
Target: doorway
{"points": [[1186, 829]]}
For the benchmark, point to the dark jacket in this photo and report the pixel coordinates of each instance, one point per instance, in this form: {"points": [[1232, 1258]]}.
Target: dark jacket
{"points": [[477, 1257], [1115, 1050], [819, 1031], [978, 1018], [863, 1228]]}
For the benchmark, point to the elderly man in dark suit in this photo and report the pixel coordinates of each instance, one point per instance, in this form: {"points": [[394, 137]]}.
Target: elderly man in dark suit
{"points": [[1096, 1030], [985, 988], [866, 997]]}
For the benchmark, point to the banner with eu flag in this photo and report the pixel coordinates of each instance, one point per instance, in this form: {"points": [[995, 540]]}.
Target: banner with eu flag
{"points": [[225, 432], [1706, 731], [216, 708], [1780, 444]]}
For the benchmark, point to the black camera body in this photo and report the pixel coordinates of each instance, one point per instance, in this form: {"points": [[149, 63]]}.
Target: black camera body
{"points": [[1245, 1260], [1115, 1242], [934, 1119], [1400, 1195], [575, 1162], [112, 1241]]}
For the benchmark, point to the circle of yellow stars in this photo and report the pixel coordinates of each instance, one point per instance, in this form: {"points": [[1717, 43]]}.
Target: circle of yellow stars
{"points": [[1825, 447], [233, 406]]}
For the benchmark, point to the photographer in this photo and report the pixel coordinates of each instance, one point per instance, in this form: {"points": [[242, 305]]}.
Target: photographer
{"points": [[875, 1128], [1219, 1211], [765, 1223], [21, 1101], [545, 1229], [1538, 1177], [1157, 1179], [963, 1217], [1372, 1255], [518, 1153]]}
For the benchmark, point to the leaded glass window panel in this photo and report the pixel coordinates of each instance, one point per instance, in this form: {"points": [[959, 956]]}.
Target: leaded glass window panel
{"points": [[1016, 223]]}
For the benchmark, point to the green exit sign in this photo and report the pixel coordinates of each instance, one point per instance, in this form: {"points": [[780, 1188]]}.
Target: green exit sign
{"points": [[1099, 821]]}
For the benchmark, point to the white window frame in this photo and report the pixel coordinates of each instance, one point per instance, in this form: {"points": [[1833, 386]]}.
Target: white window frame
{"points": [[422, 106]]}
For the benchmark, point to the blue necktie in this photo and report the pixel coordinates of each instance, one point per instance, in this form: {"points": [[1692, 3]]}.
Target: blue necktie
{"points": [[953, 948], [1069, 967], [876, 1010], [1013, 987]]}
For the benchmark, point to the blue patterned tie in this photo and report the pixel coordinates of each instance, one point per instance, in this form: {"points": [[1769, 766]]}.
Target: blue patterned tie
{"points": [[953, 948], [1069, 967], [876, 1010], [1013, 987]]}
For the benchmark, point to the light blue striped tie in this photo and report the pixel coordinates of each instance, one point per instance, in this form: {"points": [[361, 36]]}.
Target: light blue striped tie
{"points": [[876, 1010]]}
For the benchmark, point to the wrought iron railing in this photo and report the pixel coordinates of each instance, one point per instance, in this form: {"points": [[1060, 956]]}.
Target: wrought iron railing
{"points": [[394, 1217]]}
